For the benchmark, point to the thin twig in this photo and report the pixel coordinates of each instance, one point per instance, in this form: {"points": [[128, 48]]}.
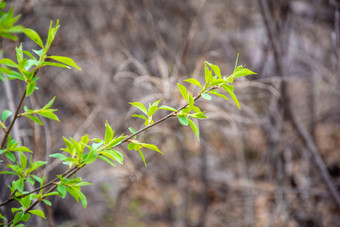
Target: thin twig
{"points": [[13, 121]]}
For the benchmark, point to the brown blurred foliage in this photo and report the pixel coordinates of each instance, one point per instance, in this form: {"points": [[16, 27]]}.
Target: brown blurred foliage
{"points": [[251, 167]]}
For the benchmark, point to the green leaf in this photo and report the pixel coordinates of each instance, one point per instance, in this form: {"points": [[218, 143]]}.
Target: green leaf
{"points": [[183, 120], [132, 130], [82, 199], [107, 160], [55, 64], [30, 88], [37, 212], [19, 184], [58, 156], [49, 114], [23, 161], [198, 115], [191, 101], [8, 62], [140, 106], [151, 147], [116, 141], [47, 202], [131, 146], [51, 33], [18, 217], [65, 60], [152, 110], [207, 74], [10, 156], [112, 154], [61, 191], [50, 194], [36, 165], [19, 53], [34, 36], [168, 108], [2, 217], [243, 72], [218, 82], [216, 69], [139, 116], [195, 129], [142, 156], [231, 93], [35, 119], [26, 217], [38, 52], [22, 149], [218, 94], [49, 104], [91, 156], [109, 133], [236, 61], [206, 96], [193, 81], [5, 114], [183, 91]]}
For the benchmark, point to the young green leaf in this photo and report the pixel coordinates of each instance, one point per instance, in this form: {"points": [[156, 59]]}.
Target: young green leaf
{"points": [[8, 62], [113, 155], [236, 61], [193, 81], [5, 114], [34, 36], [51, 33], [183, 120], [65, 60], [19, 53], [168, 108], [39, 213], [61, 191], [207, 74], [58, 156], [30, 88], [49, 114], [194, 128], [183, 91], [191, 101], [215, 92], [139, 116], [199, 115], [231, 93], [109, 133], [91, 156], [216, 69], [206, 96], [243, 72], [151, 147], [47, 202], [107, 160], [49, 104], [140, 106], [55, 64], [152, 110], [142, 156]]}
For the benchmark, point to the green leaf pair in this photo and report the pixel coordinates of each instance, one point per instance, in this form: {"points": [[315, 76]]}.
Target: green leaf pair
{"points": [[137, 146], [148, 113]]}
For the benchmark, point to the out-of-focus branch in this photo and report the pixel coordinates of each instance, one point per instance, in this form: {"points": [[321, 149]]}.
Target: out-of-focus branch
{"points": [[290, 115]]}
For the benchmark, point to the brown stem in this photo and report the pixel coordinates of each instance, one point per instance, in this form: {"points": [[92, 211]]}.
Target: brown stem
{"points": [[13, 120], [75, 169]]}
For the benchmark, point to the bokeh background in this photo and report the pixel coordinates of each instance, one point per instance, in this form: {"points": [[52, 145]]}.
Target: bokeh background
{"points": [[266, 165]]}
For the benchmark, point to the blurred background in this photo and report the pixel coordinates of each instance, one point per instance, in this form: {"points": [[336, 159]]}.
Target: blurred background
{"points": [[274, 163]]}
